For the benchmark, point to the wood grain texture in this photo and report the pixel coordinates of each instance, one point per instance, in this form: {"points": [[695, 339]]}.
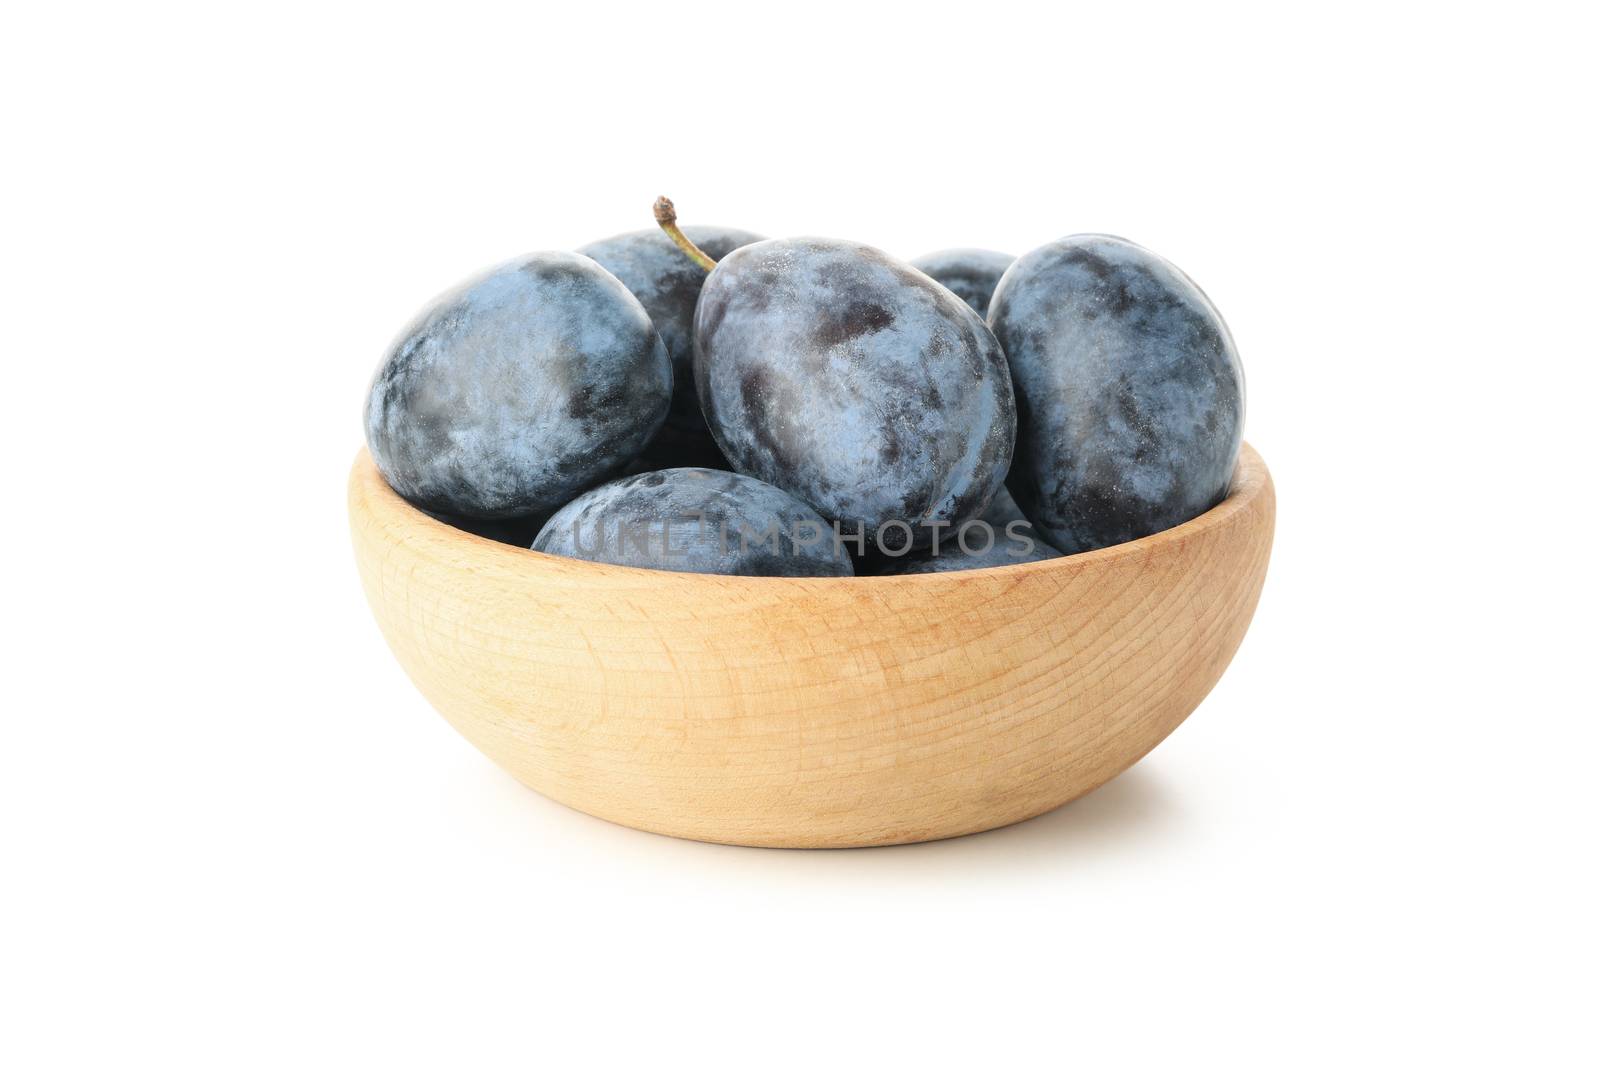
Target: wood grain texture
{"points": [[814, 712]]}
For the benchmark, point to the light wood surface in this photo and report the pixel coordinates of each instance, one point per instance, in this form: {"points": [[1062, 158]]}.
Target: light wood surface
{"points": [[814, 712]]}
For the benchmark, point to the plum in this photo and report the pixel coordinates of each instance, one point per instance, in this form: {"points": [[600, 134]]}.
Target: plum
{"points": [[999, 537], [698, 520], [970, 273], [668, 285], [518, 390], [1130, 394], [855, 383]]}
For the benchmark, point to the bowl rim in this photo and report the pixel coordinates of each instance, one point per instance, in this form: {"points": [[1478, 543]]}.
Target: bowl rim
{"points": [[1250, 480]]}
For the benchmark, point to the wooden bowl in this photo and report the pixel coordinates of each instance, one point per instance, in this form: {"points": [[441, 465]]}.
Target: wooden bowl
{"points": [[814, 712]]}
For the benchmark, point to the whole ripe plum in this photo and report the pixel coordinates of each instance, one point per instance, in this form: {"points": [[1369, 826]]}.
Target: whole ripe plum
{"points": [[856, 383], [668, 284], [970, 273], [692, 519], [515, 392], [1001, 536], [1130, 394]]}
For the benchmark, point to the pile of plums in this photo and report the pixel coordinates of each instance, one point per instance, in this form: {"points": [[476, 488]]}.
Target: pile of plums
{"points": [[702, 399]]}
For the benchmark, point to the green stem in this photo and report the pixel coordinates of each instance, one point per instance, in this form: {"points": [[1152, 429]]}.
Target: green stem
{"points": [[667, 219]]}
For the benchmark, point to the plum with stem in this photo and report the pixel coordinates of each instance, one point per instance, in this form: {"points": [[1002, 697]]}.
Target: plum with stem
{"points": [[852, 381], [668, 285]]}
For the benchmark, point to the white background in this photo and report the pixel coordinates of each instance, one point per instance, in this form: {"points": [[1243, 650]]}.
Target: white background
{"points": [[232, 832]]}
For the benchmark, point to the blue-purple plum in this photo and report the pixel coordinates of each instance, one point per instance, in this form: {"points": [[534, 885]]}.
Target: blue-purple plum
{"points": [[696, 520], [1130, 393], [855, 383], [668, 284], [1000, 537], [970, 273], [513, 393]]}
